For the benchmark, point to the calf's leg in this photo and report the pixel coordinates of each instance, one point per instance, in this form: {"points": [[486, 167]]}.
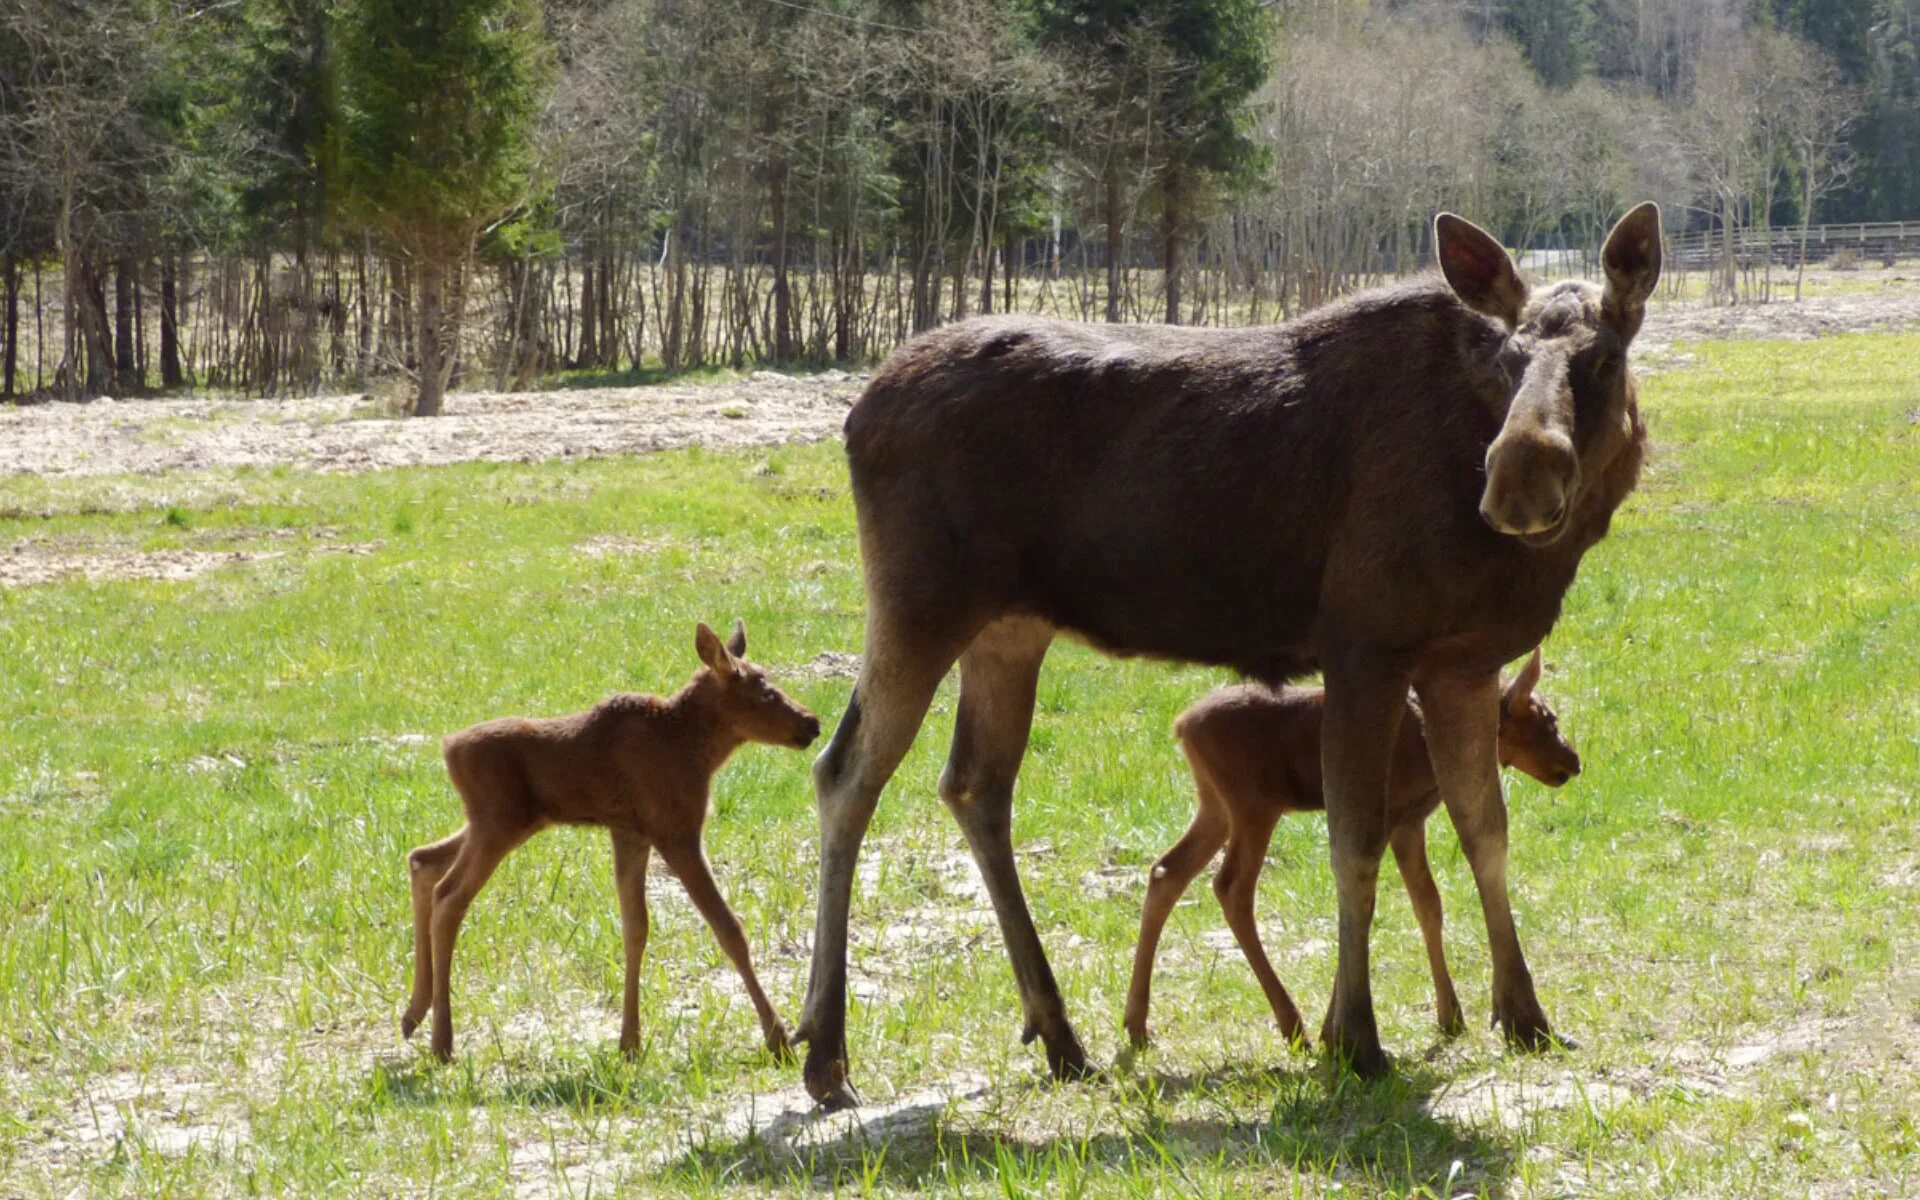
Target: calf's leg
{"points": [[479, 855], [1409, 843], [1365, 701], [1237, 886], [425, 868], [1462, 716], [630, 855], [686, 859], [998, 676], [1165, 885]]}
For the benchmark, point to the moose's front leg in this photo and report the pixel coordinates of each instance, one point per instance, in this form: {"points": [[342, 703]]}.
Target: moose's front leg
{"points": [[1462, 721], [1365, 702]]}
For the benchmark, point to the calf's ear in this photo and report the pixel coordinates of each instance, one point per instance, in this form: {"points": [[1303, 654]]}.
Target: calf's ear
{"points": [[737, 644], [1523, 683], [707, 643], [1478, 269]]}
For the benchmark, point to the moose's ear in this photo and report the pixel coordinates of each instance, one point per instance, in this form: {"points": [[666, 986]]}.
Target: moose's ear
{"points": [[712, 653], [1478, 269], [737, 644], [1523, 683], [1632, 262]]}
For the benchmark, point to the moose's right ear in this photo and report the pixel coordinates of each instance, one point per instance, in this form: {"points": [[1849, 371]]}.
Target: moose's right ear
{"points": [[707, 643], [1478, 269]]}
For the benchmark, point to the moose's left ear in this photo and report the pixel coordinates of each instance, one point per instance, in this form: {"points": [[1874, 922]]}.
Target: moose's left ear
{"points": [[1478, 269], [1632, 261], [737, 644]]}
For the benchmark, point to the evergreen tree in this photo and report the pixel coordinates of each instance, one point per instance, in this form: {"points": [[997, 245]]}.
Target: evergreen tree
{"points": [[1557, 36], [1216, 58], [438, 106]]}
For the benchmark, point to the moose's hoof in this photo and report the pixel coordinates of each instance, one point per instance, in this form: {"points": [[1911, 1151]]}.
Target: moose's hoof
{"points": [[1525, 1025], [825, 1074], [408, 1024], [1360, 1054]]}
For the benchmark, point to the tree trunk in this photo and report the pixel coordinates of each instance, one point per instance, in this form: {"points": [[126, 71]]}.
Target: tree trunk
{"points": [[170, 374], [89, 300], [1171, 231], [589, 343], [782, 298], [126, 374], [432, 273], [1116, 236], [9, 356]]}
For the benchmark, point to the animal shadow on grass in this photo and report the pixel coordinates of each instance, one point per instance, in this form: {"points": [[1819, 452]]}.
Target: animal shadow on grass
{"points": [[594, 1084], [1314, 1124]]}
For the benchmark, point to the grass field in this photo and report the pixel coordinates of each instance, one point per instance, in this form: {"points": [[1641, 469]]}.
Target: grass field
{"points": [[208, 785]]}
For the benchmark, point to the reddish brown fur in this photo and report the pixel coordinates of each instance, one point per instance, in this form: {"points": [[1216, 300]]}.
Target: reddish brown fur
{"points": [[1255, 755], [1397, 489], [638, 765]]}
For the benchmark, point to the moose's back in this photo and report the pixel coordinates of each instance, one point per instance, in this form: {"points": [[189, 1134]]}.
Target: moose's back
{"points": [[1197, 494]]}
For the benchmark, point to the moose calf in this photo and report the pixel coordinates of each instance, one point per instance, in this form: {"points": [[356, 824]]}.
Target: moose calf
{"points": [[638, 765], [1255, 755]]}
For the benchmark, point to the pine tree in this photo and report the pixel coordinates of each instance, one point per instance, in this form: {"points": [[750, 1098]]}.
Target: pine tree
{"points": [[438, 106]]}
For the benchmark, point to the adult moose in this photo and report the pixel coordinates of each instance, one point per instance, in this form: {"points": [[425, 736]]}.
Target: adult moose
{"points": [[1396, 489]]}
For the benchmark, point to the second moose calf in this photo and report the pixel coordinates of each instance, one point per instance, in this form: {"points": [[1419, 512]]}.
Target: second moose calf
{"points": [[639, 766], [1255, 755]]}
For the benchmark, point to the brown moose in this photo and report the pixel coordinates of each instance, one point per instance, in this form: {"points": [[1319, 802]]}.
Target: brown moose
{"points": [[1396, 489], [1255, 754], [638, 765]]}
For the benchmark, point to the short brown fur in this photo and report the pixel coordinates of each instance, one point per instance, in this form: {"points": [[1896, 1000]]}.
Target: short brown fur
{"points": [[1396, 489], [638, 765], [1255, 755]]}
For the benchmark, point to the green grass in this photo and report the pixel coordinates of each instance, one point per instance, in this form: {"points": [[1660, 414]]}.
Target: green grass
{"points": [[206, 796]]}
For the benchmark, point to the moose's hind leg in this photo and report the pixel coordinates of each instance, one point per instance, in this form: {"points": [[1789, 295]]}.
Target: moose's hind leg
{"points": [[998, 676]]}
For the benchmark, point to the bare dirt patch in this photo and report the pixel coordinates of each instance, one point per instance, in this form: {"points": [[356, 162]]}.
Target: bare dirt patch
{"points": [[346, 434], [38, 560], [337, 433], [1896, 306]]}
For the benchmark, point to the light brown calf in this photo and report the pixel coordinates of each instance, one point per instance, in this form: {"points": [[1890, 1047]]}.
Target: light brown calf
{"points": [[1255, 755], [637, 765]]}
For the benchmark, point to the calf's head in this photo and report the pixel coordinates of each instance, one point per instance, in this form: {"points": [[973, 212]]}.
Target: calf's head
{"points": [[746, 699], [1530, 738], [1570, 394]]}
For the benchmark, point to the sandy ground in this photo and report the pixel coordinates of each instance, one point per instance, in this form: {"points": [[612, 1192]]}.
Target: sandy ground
{"points": [[349, 434]]}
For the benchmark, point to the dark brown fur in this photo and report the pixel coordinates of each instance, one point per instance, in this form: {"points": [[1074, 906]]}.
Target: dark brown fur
{"points": [[638, 765], [1396, 489], [1255, 756]]}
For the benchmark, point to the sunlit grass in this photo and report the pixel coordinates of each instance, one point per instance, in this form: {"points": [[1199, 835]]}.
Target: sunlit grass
{"points": [[207, 789]]}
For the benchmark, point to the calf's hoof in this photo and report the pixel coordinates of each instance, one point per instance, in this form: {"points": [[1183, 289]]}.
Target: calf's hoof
{"points": [[408, 1024], [1292, 1028], [779, 1044], [1138, 1037]]}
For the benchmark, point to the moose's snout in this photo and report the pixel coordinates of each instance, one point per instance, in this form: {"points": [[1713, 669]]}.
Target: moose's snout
{"points": [[1530, 484], [808, 731]]}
